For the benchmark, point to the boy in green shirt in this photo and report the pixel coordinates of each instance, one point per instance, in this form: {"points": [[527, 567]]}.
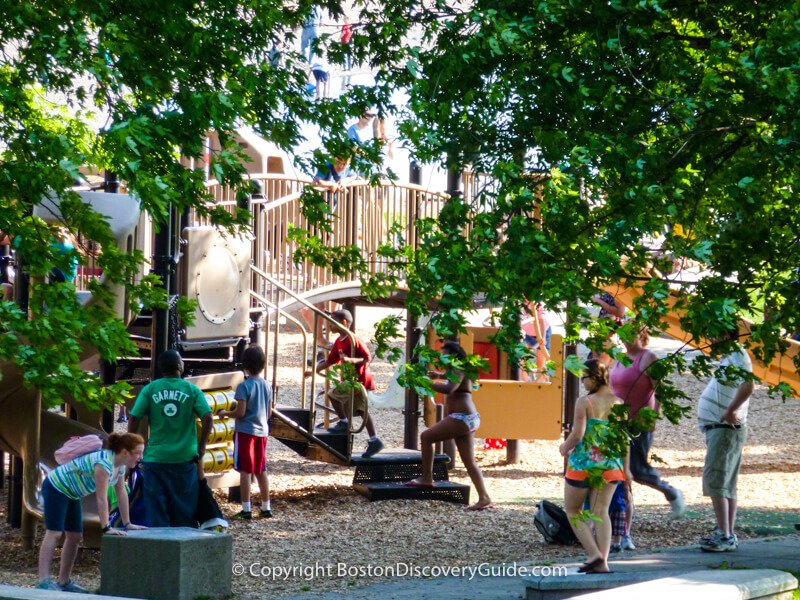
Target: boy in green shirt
{"points": [[173, 451]]}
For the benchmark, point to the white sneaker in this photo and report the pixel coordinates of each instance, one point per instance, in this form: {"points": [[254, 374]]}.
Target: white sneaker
{"points": [[721, 544], [715, 534], [678, 506], [627, 543]]}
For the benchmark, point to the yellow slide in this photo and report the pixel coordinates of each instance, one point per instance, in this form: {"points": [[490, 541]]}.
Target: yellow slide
{"points": [[780, 370]]}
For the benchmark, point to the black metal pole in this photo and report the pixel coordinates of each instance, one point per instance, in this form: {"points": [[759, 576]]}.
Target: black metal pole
{"points": [[415, 173], [512, 446], [454, 182], [163, 267], [110, 182], [108, 371], [15, 493], [571, 390], [411, 410]]}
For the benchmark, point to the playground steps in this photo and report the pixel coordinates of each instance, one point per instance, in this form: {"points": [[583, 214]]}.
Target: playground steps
{"points": [[293, 427], [381, 477]]}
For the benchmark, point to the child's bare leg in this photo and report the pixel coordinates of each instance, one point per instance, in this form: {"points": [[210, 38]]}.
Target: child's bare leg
{"points": [[628, 512], [574, 498], [69, 550], [466, 449], [263, 487], [47, 552], [602, 529], [244, 486], [370, 426], [339, 408], [445, 429]]}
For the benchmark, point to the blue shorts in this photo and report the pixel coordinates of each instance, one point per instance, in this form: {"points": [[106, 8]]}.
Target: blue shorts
{"points": [[61, 513], [533, 342]]}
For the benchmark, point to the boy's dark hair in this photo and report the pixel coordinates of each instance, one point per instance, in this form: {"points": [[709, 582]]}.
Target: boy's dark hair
{"points": [[254, 359], [453, 347], [170, 362], [342, 315]]}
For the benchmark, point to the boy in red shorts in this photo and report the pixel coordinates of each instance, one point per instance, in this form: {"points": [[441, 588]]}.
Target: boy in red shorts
{"points": [[252, 411]]}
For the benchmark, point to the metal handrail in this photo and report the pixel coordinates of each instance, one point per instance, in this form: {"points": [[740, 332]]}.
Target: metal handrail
{"points": [[319, 313], [280, 312]]}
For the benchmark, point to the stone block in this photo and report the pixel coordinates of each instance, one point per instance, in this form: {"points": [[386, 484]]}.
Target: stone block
{"points": [[167, 563]]}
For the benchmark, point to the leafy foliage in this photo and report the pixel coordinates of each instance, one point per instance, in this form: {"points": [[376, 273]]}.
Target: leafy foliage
{"points": [[621, 138], [107, 85]]}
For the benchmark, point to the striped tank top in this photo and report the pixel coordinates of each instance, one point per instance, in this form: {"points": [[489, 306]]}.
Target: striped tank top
{"points": [[75, 479]]}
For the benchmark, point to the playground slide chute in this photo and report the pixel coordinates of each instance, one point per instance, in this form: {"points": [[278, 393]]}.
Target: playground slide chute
{"points": [[33, 434], [780, 370], [29, 431]]}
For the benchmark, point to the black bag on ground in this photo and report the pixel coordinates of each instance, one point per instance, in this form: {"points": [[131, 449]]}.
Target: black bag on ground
{"points": [[553, 523]]}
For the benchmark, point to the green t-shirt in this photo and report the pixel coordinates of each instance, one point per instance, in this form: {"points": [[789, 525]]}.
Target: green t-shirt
{"points": [[170, 404]]}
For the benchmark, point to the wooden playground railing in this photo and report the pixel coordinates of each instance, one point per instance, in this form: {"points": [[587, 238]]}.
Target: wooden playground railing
{"points": [[362, 215]]}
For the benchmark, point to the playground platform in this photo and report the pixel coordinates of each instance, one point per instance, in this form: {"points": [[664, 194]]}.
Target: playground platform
{"points": [[776, 553]]}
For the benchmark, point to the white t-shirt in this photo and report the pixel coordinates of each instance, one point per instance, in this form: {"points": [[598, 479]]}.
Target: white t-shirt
{"points": [[361, 136], [718, 395]]}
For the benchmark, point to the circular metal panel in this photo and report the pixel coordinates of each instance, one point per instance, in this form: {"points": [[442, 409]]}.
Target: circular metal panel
{"points": [[217, 284]]}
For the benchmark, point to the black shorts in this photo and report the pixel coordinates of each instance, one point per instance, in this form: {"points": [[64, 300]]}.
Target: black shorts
{"points": [[578, 483]]}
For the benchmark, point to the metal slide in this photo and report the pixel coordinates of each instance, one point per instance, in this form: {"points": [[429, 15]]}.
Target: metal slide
{"points": [[33, 434]]}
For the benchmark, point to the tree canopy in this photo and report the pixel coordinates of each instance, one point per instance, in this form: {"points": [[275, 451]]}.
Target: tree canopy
{"points": [[617, 135]]}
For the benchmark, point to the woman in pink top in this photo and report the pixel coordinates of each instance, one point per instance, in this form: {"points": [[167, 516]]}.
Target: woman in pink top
{"points": [[636, 388]]}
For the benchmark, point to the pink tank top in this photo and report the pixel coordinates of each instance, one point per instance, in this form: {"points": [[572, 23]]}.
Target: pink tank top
{"points": [[632, 386]]}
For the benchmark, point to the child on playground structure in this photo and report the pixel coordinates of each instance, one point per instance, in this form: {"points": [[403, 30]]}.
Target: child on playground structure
{"points": [[252, 411], [591, 418], [62, 491], [340, 395], [459, 424]]}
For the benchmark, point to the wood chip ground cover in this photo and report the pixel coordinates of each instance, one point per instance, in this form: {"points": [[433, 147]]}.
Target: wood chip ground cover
{"points": [[325, 536]]}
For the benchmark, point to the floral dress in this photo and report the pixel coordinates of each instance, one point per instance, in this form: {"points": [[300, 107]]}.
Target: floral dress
{"points": [[587, 455]]}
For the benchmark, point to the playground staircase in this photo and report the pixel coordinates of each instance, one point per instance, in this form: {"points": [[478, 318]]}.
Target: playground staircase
{"points": [[381, 477], [294, 428]]}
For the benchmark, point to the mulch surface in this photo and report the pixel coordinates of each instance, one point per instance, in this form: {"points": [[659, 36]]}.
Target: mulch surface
{"points": [[319, 520]]}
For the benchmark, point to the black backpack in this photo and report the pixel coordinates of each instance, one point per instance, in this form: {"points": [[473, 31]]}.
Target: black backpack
{"points": [[553, 523]]}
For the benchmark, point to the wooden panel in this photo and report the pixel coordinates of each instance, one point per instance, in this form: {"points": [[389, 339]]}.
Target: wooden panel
{"points": [[517, 410], [522, 411], [492, 356]]}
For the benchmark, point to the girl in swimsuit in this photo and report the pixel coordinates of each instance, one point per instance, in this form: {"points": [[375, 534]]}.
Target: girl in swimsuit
{"points": [[591, 418], [460, 424]]}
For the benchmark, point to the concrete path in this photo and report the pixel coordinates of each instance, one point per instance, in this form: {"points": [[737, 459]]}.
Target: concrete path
{"points": [[781, 553]]}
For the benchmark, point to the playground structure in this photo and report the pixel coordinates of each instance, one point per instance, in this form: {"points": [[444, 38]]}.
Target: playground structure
{"points": [[781, 368], [245, 289]]}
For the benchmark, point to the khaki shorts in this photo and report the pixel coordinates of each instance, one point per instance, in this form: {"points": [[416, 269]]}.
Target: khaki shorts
{"points": [[359, 394], [723, 459]]}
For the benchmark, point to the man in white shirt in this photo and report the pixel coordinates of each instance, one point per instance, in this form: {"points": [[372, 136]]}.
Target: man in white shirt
{"points": [[722, 416]]}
